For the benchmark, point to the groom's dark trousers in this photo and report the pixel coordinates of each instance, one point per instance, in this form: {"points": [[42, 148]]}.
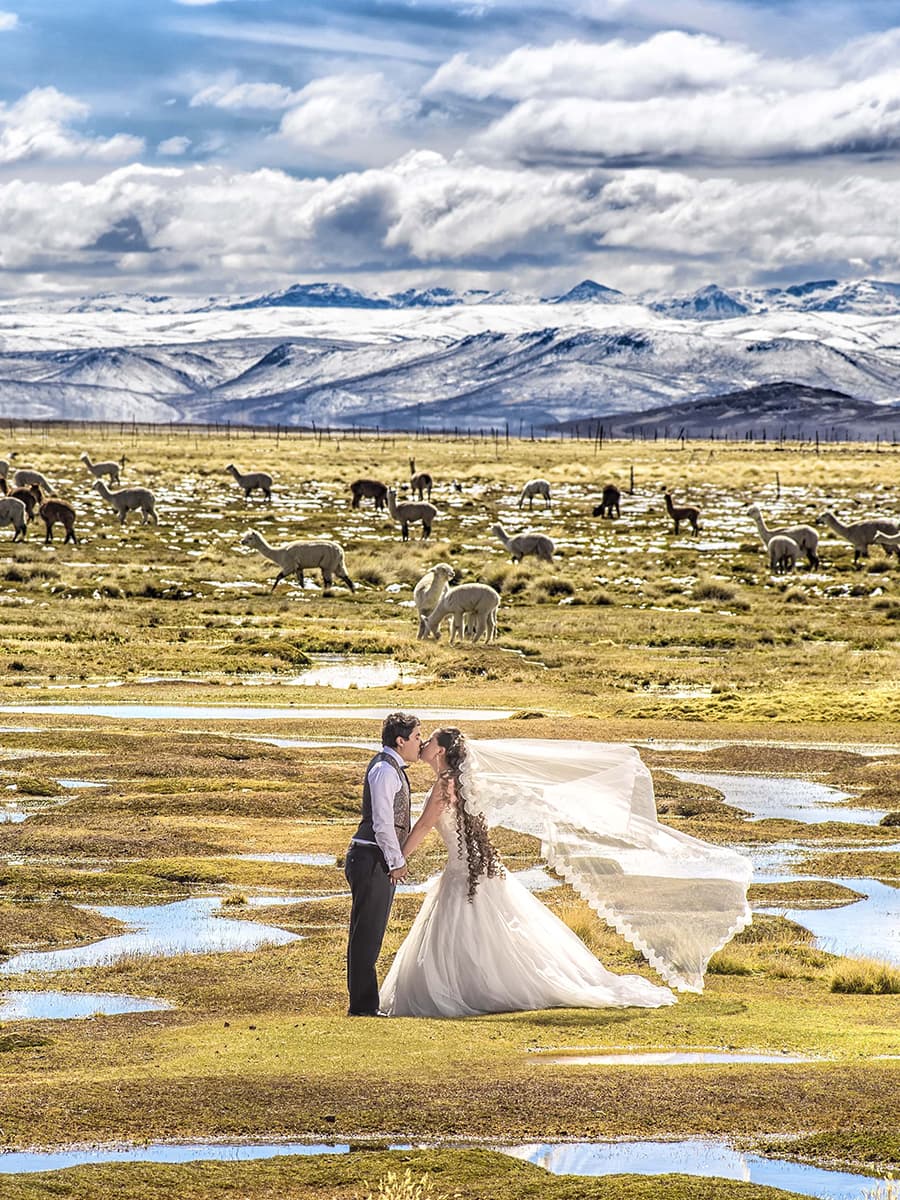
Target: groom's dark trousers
{"points": [[373, 893]]}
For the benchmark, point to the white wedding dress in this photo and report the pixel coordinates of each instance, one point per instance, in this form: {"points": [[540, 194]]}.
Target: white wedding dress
{"points": [[675, 898], [504, 952]]}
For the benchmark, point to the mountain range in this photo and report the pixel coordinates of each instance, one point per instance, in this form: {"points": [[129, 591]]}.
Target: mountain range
{"points": [[823, 354]]}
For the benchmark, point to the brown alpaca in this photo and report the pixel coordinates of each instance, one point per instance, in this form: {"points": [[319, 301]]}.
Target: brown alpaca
{"points": [[420, 482], [368, 489], [52, 511], [610, 501], [683, 513]]}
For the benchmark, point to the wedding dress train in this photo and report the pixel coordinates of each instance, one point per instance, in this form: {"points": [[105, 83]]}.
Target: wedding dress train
{"points": [[503, 952]]}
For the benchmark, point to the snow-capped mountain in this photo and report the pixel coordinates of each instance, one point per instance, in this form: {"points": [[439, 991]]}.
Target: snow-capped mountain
{"points": [[336, 356]]}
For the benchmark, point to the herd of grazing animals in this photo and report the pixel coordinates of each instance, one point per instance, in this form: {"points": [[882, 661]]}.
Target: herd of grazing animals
{"points": [[471, 608]]}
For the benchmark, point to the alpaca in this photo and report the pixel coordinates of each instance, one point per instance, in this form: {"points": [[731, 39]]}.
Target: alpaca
{"points": [[804, 535], [52, 511], [473, 602], [296, 557], [429, 590], [100, 469], [890, 541], [684, 513], [610, 501], [129, 500], [12, 512], [420, 481], [522, 544], [254, 479], [861, 535], [535, 487], [25, 477], [368, 489], [31, 497], [410, 512], [783, 553]]}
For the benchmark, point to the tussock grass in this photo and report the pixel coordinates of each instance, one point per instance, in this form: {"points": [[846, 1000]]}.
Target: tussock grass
{"points": [[866, 978]]}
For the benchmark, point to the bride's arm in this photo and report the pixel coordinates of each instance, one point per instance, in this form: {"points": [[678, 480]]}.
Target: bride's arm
{"points": [[429, 818]]}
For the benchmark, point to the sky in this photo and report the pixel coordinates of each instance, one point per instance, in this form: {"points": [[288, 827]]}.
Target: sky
{"points": [[210, 147]]}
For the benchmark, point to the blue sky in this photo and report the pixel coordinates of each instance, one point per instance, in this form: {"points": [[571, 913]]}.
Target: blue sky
{"points": [[239, 145]]}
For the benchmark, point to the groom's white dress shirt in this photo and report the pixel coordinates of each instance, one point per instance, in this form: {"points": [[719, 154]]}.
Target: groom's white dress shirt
{"points": [[382, 790]]}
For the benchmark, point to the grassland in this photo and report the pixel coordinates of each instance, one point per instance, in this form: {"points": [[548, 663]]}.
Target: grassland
{"points": [[630, 634]]}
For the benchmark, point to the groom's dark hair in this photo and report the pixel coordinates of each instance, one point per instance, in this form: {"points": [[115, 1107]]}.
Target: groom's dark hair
{"points": [[397, 725]]}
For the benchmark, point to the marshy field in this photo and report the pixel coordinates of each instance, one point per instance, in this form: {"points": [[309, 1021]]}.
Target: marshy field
{"points": [[181, 754]]}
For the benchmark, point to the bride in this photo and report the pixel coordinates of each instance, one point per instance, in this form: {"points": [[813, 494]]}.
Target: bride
{"points": [[483, 943]]}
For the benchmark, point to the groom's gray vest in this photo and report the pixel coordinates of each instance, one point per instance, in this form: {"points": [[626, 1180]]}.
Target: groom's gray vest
{"points": [[366, 831]]}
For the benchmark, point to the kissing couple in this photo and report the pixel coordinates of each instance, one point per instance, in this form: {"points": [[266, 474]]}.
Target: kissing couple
{"points": [[481, 942]]}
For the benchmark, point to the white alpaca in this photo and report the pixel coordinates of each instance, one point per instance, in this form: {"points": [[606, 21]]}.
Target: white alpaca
{"points": [[99, 469], [429, 590], [252, 480], [804, 535], [410, 512], [12, 512], [523, 544], [295, 557], [25, 477], [783, 553], [535, 487], [472, 603], [861, 535], [129, 500]]}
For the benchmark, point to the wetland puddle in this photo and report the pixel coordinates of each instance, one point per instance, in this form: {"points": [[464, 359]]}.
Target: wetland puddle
{"points": [[229, 712], [868, 928], [791, 799], [697, 1157], [158, 931], [73, 1006]]}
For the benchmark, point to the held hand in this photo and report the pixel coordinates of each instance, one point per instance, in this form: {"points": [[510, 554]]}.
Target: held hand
{"points": [[399, 874]]}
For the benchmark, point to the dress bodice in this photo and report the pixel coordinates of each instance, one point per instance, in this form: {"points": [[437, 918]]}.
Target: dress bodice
{"points": [[446, 828]]}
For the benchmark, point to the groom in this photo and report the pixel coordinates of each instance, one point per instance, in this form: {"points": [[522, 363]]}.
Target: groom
{"points": [[375, 862]]}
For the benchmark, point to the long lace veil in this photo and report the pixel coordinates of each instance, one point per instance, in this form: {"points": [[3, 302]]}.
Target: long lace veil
{"points": [[675, 898]]}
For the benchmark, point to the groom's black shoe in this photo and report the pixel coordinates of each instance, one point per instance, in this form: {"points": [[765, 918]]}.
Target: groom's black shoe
{"points": [[378, 1013]]}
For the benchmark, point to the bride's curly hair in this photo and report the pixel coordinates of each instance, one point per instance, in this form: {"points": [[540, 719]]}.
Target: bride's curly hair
{"points": [[471, 830]]}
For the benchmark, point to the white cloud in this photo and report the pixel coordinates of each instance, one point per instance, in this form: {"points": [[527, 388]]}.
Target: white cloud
{"points": [[174, 146], [429, 212], [732, 124], [8, 20], [340, 109], [233, 95], [39, 126]]}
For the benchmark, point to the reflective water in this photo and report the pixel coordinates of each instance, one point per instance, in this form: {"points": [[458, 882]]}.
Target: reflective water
{"points": [[229, 712], [664, 1058], [344, 671], [70, 1006], [791, 799], [14, 1162], [869, 928], [870, 749], [161, 930], [698, 1156]]}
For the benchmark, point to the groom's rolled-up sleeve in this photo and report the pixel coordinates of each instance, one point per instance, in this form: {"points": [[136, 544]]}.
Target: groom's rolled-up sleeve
{"points": [[383, 783]]}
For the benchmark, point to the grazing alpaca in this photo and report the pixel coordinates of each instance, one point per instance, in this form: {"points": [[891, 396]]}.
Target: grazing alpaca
{"points": [[12, 512], [610, 501], [293, 559], [368, 489], [522, 544], [861, 535], [535, 487], [783, 553], [429, 590], [685, 512], [129, 500], [471, 605], [52, 511], [420, 482], [410, 512], [252, 480], [31, 496], [25, 477], [804, 535], [890, 541], [99, 469]]}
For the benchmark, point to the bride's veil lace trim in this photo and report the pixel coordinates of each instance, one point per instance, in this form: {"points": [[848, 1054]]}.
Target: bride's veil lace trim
{"points": [[675, 898]]}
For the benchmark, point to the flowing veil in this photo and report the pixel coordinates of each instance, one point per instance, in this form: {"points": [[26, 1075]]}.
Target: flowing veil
{"points": [[675, 898]]}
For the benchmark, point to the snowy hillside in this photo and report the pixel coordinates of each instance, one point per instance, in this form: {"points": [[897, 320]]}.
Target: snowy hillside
{"points": [[330, 355]]}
